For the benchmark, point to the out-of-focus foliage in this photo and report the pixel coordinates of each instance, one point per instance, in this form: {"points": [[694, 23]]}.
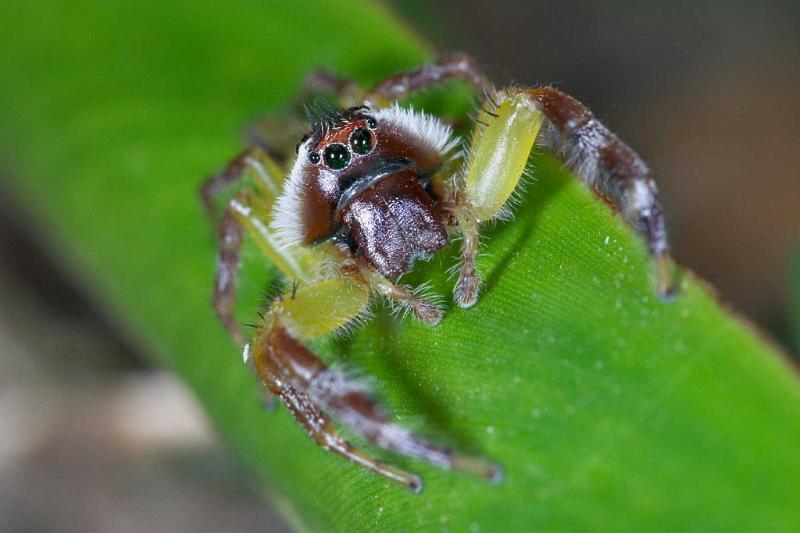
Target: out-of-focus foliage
{"points": [[608, 409]]}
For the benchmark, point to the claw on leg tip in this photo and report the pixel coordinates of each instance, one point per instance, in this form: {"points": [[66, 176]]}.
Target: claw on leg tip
{"points": [[666, 281], [414, 484], [478, 467]]}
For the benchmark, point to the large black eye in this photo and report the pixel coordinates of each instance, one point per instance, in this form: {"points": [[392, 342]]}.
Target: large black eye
{"points": [[361, 141], [336, 156]]}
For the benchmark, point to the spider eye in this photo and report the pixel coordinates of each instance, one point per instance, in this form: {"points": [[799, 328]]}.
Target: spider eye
{"points": [[361, 141], [372, 123], [313, 157], [336, 156]]}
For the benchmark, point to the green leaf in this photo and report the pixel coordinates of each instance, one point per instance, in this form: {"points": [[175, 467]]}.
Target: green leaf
{"points": [[608, 409]]}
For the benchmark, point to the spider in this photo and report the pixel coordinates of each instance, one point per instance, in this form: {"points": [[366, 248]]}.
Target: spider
{"points": [[373, 188]]}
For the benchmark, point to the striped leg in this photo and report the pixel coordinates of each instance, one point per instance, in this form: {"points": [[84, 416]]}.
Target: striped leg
{"points": [[247, 211], [612, 169], [313, 392], [223, 300], [268, 177], [423, 308], [511, 122], [400, 86]]}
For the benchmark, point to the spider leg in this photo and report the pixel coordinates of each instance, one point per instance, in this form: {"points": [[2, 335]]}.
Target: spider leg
{"points": [[276, 133], [319, 427], [424, 310], [468, 284], [252, 213], [229, 239], [611, 168], [268, 177], [312, 391], [321, 81], [247, 211], [400, 86]]}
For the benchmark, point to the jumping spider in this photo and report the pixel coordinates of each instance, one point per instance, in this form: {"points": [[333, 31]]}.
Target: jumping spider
{"points": [[375, 187]]}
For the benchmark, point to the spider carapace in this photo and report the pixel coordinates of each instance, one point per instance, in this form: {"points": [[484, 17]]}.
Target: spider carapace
{"points": [[375, 186], [365, 183]]}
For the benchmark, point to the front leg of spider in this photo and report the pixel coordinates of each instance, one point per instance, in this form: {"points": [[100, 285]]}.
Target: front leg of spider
{"points": [[512, 121], [313, 392], [510, 124]]}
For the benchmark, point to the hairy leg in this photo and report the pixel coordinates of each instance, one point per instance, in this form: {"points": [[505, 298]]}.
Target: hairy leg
{"points": [[468, 284], [611, 168], [248, 210], [423, 309], [598, 157], [268, 177], [312, 391], [223, 300], [400, 86]]}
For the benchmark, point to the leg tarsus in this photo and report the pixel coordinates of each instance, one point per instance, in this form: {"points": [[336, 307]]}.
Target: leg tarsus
{"points": [[468, 285], [320, 428], [229, 236], [667, 286], [424, 309]]}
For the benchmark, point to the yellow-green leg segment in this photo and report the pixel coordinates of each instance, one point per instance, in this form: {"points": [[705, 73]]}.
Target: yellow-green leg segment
{"points": [[510, 124], [314, 392]]}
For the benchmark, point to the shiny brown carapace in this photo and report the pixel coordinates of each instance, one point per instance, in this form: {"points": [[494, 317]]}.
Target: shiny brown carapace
{"points": [[374, 187]]}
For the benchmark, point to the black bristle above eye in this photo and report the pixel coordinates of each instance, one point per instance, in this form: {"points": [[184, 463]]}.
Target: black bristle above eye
{"points": [[323, 115]]}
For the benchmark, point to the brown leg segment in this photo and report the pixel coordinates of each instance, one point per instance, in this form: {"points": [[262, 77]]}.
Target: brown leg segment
{"points": [[322, 81], [229, 229], [611, 168], [468, 286], [229, 238], [424, 310], [399, 86], [309, 389], [254, 158]]}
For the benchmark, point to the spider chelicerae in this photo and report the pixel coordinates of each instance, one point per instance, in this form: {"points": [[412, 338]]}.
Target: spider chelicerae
{"points": [[374, 187]]}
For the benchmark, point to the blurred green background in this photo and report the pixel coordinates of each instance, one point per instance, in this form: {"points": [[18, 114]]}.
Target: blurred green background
{"points": [[706, 92]]}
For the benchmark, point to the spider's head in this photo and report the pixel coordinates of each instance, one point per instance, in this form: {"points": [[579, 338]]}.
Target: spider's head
{"points": [[362, 175]]}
